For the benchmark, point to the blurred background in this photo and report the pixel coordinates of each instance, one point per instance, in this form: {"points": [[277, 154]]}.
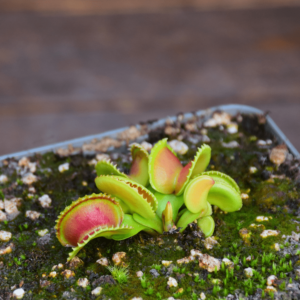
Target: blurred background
{"points": [[73, 68]]}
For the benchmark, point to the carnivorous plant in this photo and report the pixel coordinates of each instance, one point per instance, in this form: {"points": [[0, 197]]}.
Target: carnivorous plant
{"points": [[158, 194]]}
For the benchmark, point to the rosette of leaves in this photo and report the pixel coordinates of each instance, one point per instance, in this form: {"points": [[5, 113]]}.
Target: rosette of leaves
{"points": [[158, 194]]}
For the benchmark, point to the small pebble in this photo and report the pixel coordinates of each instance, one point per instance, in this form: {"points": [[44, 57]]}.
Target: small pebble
{"points": [[45, 201], [42, 232], [147, 146], [210, 123], [232, 144], [261, 143], [32, 190], [5, 236], [210, 242], [261, 219], [53, 274], [32, 167], [218, 118], [216, 281], [11, 208], [232, 128], [103, 261], [196, 253], [295, 236], [297, 272], [64, 167], [33, 215], [179, 147], [244, 196], [248, 272], [23, 162], [269, 289], [271, 279], [222, 118], [44, 283], [205, 139], [191, 126], [59, 266], [184, 260], [83, 282], [68, 273], [18, 293], [245, 234], [172, 282], [93, 162], [269, 142], [269, 232], [2, 216], [118, 258], [97, 291], [102, 156], [261, 226], [278, 154], [209, 263], [252, 170], [166, 263], [154, 273], [29, 178], [228, 263], [75, 262], [139, 274], [6, 250], [3, 179]]}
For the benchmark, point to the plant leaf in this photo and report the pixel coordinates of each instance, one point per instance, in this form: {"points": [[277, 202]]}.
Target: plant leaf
{"points": [[225, 197], [86, 214], [164, 168], [139, 166], [138, 199], [196, 192], [155, 223], [186, 217], [221, 177], [129, 222], [195, 167], [99, 232], [207, 225], [105, 167], [167, 217], [176, 202]]}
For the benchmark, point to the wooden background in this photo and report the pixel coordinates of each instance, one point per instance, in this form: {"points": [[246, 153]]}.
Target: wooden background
{"points": [[68, 69]]}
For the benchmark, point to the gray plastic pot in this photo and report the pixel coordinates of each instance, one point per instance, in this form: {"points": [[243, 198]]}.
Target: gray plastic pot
{"points": [[230, 108]]}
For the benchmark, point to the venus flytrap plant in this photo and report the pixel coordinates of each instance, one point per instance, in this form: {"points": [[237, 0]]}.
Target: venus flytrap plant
{"points": [[159, 194]]}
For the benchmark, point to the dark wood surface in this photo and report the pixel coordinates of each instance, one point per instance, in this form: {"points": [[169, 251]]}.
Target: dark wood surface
{"points": [[64, 76]]}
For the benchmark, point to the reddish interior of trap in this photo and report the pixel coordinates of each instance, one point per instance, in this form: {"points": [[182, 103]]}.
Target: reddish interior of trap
{"points": [[166, 169], [86, 217], [182, 176]]}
